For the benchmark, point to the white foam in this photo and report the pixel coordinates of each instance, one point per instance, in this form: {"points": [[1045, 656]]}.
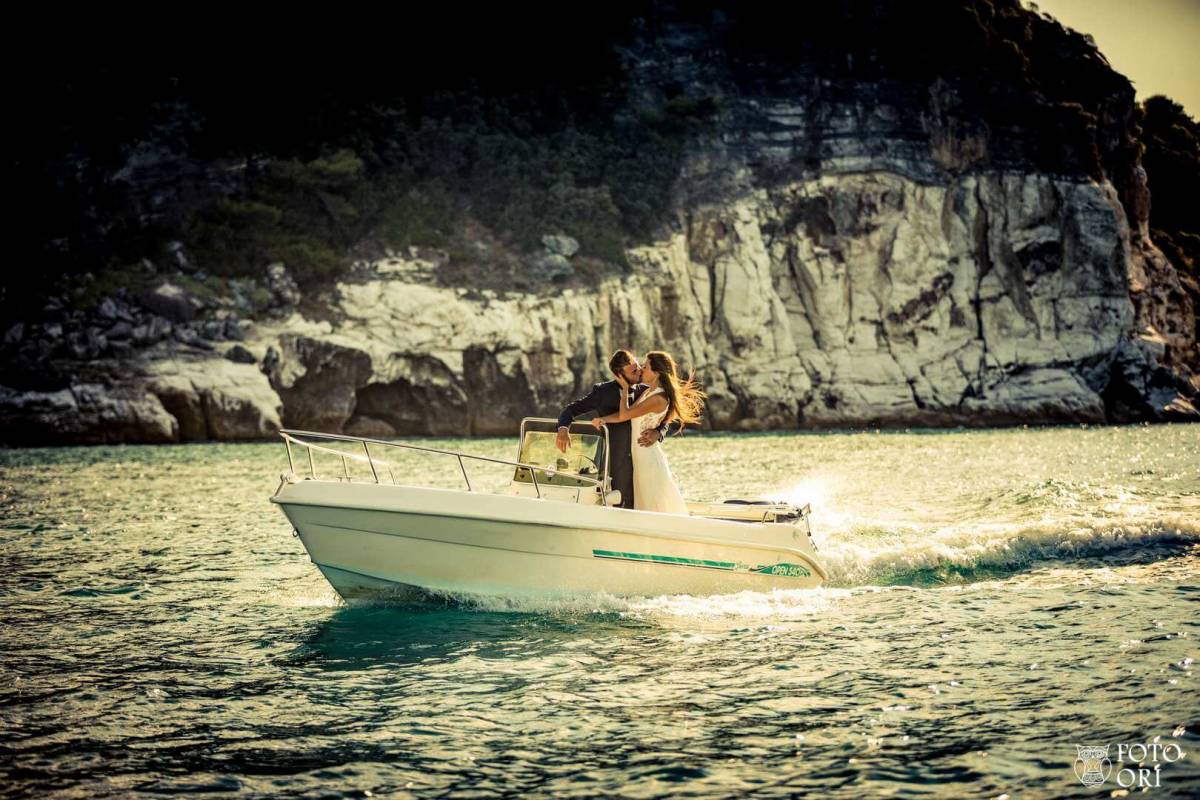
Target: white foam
{"points": [[776, 605], [583, 603], [779, 604], [857, 558]]}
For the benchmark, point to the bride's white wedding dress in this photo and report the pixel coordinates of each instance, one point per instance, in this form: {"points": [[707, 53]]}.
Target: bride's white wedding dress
{"points": [[654, 487]]}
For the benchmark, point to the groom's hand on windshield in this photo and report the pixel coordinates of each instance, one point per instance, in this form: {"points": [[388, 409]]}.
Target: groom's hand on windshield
{"points": [[564, 439]]}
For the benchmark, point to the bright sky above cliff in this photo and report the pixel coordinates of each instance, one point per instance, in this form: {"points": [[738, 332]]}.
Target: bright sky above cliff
{"points": [[1154, 43]]}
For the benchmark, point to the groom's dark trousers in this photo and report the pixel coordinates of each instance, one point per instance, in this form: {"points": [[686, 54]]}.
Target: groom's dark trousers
{"points": [[602, 400]]}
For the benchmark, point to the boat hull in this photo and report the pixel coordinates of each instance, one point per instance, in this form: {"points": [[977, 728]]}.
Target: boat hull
{"points": [[369, 539]]}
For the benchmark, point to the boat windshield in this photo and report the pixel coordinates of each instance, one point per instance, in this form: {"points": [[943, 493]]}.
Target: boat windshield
{"points": [[582, 458]]}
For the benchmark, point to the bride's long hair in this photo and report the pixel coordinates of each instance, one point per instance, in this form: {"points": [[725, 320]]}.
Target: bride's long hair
{"points": [[685, 399]]}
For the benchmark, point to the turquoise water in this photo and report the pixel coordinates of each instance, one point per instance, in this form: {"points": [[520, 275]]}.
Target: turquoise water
{"points": [[998, 598]]}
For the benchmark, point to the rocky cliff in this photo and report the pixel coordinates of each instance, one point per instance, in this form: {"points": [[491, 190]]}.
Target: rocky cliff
{"points": [[842, 251]]}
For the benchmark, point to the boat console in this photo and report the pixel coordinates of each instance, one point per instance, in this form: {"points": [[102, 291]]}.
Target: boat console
{"points": [[579, 475]]}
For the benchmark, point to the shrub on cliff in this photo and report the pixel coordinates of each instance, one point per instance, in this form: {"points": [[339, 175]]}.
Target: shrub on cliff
{"points": [[520, 165], [305, 213]]}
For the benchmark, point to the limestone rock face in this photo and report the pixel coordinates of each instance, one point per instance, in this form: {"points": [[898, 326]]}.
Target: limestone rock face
{"points": [[848, 300], [421, 396], [317, 381], [214, 398], [85, 414], [843, 300], [183, 397]]}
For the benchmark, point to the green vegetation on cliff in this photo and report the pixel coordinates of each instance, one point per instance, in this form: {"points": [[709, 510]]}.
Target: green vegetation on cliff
{"points": [[521, 175], [511, 122]]}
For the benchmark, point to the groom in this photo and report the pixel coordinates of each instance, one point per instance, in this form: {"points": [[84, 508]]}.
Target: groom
{"points": [[605, 398]]}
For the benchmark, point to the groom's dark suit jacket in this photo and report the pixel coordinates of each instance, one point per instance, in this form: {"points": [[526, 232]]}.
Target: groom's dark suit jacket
{"points": [[604, 399]]}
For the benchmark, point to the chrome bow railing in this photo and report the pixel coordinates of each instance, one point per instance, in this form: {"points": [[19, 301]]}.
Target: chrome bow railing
{"points": [[375, 463]]}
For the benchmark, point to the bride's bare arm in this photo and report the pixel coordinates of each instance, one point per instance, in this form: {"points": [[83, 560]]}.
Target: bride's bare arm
{"points": [[654, 404]]}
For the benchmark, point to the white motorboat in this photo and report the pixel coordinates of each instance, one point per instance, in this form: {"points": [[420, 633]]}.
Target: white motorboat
{"points": [[553, 532]]}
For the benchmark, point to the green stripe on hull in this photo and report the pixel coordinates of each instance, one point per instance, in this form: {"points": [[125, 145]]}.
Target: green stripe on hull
{"points": [[782, 570], [687, 562]]}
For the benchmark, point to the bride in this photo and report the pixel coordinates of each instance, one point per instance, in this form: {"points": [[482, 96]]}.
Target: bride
{"points": [[667, 398]]}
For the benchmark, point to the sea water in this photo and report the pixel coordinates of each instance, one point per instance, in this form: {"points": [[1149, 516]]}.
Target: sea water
{"points": [[998, 599]]}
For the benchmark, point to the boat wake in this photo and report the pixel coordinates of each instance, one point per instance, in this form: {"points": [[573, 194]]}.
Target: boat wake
{"points": [[893, 555], [885, 535]]}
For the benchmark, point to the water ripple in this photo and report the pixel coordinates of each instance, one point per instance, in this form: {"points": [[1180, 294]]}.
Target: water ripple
{"points": [[1001, 597]]}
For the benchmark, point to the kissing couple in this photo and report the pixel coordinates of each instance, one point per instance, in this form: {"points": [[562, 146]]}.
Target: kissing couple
{"points": [[644, 398]]}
